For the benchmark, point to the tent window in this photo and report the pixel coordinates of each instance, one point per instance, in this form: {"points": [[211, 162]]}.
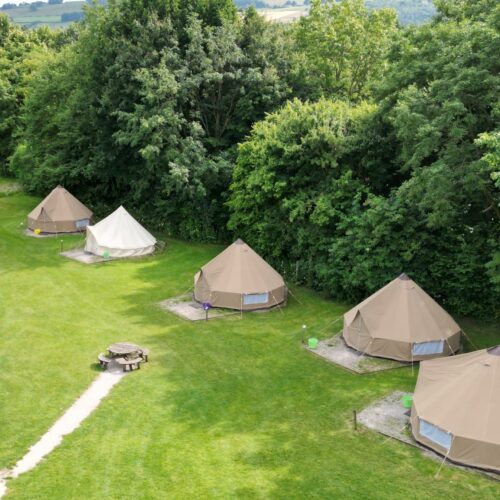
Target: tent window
{"points": [[435, 434], [428, 348], [256, 298], [80, 224]]}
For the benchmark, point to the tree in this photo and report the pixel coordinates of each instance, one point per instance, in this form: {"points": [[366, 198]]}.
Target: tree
{"points": [[21, 53], [234, 75], [341, 48], [441, 223], [113, 114], [410, 186], [293, 182]]}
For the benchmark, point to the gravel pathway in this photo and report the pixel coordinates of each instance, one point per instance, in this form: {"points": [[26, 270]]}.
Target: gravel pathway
{"points": [[66, 424]]}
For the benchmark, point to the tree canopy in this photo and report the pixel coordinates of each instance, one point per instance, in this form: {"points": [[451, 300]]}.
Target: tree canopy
{"points": [[343, 147]]}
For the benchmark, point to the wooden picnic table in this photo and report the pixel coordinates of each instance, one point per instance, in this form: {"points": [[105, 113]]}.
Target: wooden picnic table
{"points": [[121, 349]]}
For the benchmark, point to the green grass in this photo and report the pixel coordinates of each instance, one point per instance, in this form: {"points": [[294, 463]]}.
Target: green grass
{"points": [[232, 408]]}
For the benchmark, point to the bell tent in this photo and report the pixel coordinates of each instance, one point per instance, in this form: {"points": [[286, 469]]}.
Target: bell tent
{"points": [[456, 408], [238, 278], [400, 321], [59, 212], [119, 235]]}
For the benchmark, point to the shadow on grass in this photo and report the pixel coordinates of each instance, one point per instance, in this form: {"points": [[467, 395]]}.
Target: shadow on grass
{"points": [[96, 367]]}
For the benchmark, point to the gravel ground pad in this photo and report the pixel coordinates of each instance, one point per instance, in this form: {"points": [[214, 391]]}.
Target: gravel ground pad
{"points": [[187, 308], [336, 351], [29, 232], [80, 255], [389, 417], [10, 187]]}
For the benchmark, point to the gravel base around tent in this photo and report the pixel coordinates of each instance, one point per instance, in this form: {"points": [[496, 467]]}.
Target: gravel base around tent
{"points": [[187, 308], [29, 232], [336, 351], [80, 255], [9, 188], [389, 417], [66, 424]]}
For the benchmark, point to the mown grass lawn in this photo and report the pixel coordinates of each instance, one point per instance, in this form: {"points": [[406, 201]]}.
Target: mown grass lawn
{"points": [[232, 408]]}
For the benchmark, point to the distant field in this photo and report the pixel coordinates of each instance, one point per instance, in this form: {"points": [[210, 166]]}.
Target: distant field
{"points": [[410, 11], [48, 10], [284, 15], [49, 15], [36, 19]]}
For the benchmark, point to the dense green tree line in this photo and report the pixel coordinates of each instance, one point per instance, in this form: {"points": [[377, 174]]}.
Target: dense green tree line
{"points": [[344, 148], [411, 186], [22, 52]]}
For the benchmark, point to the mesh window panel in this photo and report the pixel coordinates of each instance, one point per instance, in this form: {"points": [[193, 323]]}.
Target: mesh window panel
{"points": [[255, 298], [428, 348], [82, 223], [435, 434]]}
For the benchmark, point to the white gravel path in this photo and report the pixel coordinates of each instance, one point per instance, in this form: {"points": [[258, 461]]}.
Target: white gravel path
{"points": [[66, 424]]}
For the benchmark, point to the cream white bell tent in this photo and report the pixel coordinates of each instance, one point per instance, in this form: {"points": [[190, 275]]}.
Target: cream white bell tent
{"points": [[239, 278], [456, 407], [119, 235], [59, 212], [400, 321]]}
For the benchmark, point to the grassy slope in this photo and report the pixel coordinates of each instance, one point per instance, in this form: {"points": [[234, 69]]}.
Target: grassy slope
{"points": [[228, 408]]}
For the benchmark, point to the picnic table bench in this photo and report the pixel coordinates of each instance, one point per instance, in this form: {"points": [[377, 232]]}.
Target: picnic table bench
{"points": [[144, 353], [124, 354], [103, 360], [129, 363]]}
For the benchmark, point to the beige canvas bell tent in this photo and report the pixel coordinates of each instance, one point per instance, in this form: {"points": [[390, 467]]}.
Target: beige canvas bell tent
{"points": [[59, 212], [119, 235], [400, 321], [456, 408], [238, 278]]}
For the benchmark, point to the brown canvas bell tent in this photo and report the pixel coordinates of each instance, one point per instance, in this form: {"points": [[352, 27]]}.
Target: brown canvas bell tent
{"points": [[400, 321], [238, 278], [456, 408], [59, 212]]}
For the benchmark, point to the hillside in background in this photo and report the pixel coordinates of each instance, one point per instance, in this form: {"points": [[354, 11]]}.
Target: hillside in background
{"points": [[409, 11], [58, 15], [42, 13]]}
